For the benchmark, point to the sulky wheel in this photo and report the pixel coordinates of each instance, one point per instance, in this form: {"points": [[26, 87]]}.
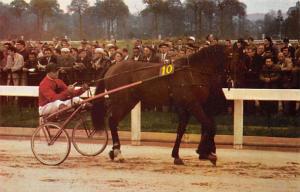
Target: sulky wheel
{"points": [[50, 144], [86, 140]]}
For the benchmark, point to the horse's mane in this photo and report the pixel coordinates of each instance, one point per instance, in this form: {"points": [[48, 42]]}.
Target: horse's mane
{"points": [[208, 58], [211, 53]]}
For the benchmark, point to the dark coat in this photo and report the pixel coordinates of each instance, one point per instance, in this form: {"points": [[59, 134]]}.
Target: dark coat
{"points": [[272, 73], [82, 70], [151, 59], [253, 68], [46, 60]]}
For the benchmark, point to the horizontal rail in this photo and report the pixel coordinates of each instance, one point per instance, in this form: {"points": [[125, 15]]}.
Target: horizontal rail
{"points": [[232, 94], [263, 94], [238, 95]]}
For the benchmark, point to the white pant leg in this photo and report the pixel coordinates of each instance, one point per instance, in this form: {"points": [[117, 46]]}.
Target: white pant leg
{"points": [[54, 106], [75, 100], [50, 108]]}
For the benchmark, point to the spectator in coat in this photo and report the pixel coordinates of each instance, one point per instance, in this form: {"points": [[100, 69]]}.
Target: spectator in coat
{"points": [[117, 57], [270, 78], [290, 49], [3, 62], [286, 81], [125, 54], [82, 67], [14, 65], [149, 55], [66, 62], [164, 55], [136, 54], [100, 63], [270, 49]]}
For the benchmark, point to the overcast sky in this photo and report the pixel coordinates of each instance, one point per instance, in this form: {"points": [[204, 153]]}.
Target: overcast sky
{"points": [[253, 6]]}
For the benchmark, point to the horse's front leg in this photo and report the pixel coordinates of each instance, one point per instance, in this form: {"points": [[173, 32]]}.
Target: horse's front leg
{"points": [[183, 117], [115, 153]]}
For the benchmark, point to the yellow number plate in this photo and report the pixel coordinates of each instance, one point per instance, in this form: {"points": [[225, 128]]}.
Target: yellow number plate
{"points": [[166, 70]]}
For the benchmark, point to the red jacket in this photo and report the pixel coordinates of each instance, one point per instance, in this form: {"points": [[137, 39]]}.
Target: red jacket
{"points": [[51, 90]]}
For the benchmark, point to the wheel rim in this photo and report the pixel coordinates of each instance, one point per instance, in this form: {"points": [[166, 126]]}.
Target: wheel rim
{"points": [[86, 140], [50, 154]]}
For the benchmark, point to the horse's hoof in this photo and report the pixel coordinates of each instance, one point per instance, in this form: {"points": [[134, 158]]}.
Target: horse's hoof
{"points": [[111, 155], [178, 161], [115, 155], [119, 159], [212, 157]]}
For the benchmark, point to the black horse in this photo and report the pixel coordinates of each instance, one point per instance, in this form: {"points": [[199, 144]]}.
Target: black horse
{"points": [[195, 88]]}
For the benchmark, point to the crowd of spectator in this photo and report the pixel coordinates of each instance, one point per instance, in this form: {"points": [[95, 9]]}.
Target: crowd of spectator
{"points": [[263, 65]]}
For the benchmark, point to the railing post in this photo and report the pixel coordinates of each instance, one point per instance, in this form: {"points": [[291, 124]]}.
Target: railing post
{"points": [[136, 125], [238, 122]]}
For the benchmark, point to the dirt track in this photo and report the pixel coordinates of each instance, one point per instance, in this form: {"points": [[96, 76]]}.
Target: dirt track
{"points": [[150, 169]]}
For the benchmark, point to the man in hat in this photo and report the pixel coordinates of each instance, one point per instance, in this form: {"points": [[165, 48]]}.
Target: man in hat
{"points": [[149, 55], [191, 40], [111, 50], [82, 67], [54, 94], [164, 55], [65, 62], [136, 54], [291, 50], [100, 63]]}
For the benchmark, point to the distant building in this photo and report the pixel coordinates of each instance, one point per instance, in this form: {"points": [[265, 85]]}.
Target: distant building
{"points": [[292, 9]]}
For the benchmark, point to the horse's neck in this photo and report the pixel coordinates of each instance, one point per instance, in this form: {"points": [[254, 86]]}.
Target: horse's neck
{"points": [[204, 64]]}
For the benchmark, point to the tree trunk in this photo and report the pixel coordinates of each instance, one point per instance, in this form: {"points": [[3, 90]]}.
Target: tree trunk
{"points": [[38, 26], [196, 21], [80, 25], [42, 26], [156, 25], [108, 28], [210, 20], [221, 24], [200, 24]]}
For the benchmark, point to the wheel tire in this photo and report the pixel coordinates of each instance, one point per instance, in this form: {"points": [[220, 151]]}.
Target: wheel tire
{"points": [[86, 140], [55, 153]]}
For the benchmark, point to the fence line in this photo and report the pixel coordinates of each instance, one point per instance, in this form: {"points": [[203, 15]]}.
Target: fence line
{"points": [[237, 95]]}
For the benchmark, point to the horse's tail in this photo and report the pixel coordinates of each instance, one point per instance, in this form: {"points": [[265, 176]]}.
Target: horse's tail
{"points": [[99, 108]]}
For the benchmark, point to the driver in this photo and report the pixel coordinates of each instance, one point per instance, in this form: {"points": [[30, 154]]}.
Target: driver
{"points": [[54, 94]]}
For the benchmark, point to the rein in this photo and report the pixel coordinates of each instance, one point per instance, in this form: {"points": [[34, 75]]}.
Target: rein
{"points": [[187, 67]]}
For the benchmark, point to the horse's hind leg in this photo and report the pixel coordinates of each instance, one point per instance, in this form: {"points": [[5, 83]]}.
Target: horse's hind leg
{"points": [[115, 154], [207, 147], [183, 117]]}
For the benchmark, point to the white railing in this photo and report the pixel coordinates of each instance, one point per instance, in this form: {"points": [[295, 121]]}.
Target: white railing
{"points": [[238, 95]]}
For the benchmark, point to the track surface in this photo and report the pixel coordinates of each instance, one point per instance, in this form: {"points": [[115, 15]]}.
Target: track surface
{"points": [[149, 168]]}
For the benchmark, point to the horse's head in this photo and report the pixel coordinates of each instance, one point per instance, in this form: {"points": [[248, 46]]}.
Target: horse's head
{"points": [[216, 60], [234, 63]]}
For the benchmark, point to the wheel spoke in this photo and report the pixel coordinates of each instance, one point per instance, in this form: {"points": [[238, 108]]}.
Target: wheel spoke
{"points": [[50, 145]]}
